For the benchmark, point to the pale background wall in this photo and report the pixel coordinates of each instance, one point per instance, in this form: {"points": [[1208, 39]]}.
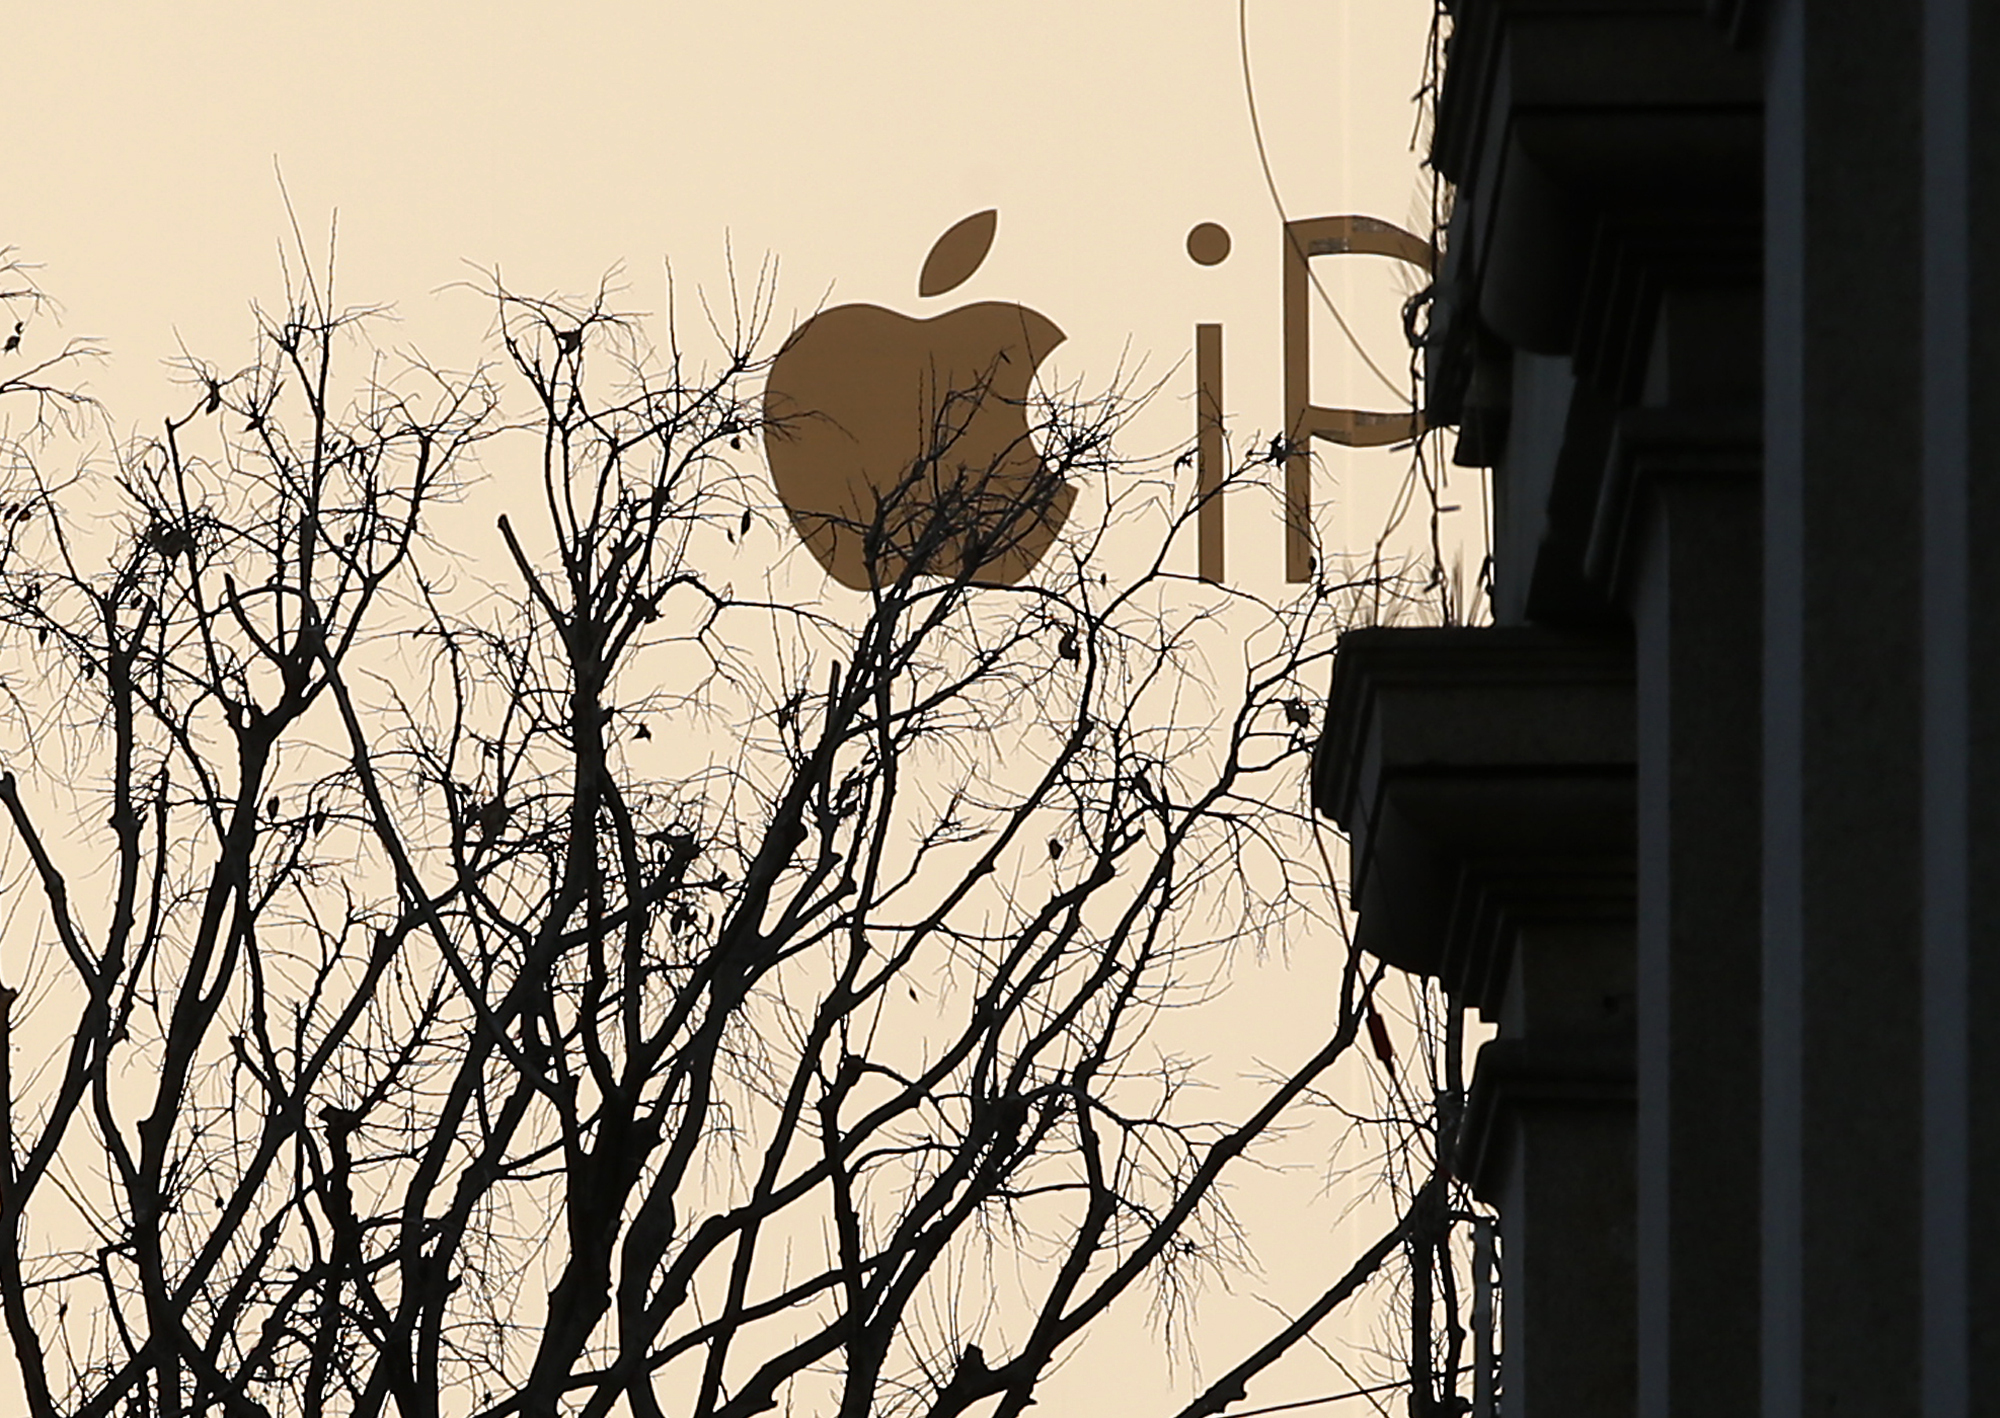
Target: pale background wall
{"points": [[559, 141]]}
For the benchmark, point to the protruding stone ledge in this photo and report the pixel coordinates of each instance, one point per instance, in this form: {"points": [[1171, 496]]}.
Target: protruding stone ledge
{"points": [[1657, 446], [1485, 780], [1514, 1075]]}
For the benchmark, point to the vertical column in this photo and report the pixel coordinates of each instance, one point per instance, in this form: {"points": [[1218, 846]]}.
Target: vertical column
{"points": [[1961, 630], [1566, 1223], [1981, 243], [1696, 618], [1550, 1143], [1482, 1318], [1842, 857]]}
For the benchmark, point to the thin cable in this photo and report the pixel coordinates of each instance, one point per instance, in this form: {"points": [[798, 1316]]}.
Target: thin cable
{"points": [[1271, 183], [1332, 1397]]}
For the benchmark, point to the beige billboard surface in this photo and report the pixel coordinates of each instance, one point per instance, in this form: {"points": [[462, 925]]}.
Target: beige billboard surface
{"points": [[815, 153]]}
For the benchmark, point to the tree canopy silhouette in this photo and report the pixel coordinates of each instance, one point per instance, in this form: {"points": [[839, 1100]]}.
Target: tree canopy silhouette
{"points": [[552, 979]]}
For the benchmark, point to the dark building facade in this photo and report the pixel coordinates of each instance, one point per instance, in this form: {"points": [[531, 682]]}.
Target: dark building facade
{"points": [[1708, 820]]}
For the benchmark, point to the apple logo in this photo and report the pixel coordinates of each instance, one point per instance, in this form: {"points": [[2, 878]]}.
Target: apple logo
{"points": [[901, 444]]}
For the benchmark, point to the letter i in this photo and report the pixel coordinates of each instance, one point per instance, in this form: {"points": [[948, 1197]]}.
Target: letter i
{"points": [[1208, 244]]}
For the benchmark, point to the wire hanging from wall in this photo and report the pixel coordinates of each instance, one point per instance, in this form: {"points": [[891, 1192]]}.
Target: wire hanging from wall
{"points": [[1278, 201]]}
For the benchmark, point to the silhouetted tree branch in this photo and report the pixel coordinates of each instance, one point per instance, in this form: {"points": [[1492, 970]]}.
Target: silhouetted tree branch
{"points": [[556, 981]]}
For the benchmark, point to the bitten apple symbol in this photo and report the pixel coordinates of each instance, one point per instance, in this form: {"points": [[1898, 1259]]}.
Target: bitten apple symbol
{"points": [[900, 443]]}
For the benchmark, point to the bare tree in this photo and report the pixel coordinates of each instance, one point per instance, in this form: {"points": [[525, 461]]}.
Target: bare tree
{"points": [[558, 982], [36, 378]]}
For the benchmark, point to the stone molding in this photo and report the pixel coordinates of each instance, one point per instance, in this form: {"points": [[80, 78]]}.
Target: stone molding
{"points": [[1513, 1075], [1485, 779]]}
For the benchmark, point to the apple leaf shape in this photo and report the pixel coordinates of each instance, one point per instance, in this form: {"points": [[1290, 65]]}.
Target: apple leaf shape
{"points": [[958, 253]]}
